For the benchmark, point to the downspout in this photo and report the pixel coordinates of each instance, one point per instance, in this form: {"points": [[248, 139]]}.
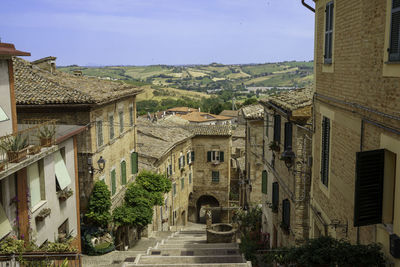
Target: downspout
{"points": [[307, 6]]}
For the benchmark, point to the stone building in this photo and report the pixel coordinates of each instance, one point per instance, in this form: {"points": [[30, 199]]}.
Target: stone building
{"points": [[285, 176], [107, 149], [356, 143], [39, 192], [250, 186], [166, 148]]}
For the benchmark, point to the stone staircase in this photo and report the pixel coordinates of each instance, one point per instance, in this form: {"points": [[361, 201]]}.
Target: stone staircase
{"points": [[189, 248]]}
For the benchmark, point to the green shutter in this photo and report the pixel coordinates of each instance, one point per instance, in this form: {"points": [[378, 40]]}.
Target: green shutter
{"points": [[192, 155], [113, 183], [325, 150], [221, 156], [123, 172], [286, 213], [277, 129], [266, 124], [134, 162], [275, 196], [215, 176], [208, 156], [264, 182], [174, 188], [187, 157], [288, 136], [190, 178], [182, 183]]}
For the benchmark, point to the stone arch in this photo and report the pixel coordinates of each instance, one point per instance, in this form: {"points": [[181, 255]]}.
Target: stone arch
{"points": [[207, 200]]}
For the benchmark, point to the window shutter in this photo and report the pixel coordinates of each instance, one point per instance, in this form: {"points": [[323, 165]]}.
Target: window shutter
{"points": [[328, 32], [192, 155], [369, 187], [209, 156], [275, 196], [266, 124], [277, 128], [123, 172], [113, 183], [325, 150], [188, 157], [394, 49], [286, 212], [134, 162], [264, 184], [170, 169], [221, 156], [183, 161], [288, 135]]}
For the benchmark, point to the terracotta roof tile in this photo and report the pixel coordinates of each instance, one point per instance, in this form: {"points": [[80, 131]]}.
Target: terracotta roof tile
{"points": [[253, 112], [229, 113], [205, 130], [203, 117], [35, 86], [291, 100]]}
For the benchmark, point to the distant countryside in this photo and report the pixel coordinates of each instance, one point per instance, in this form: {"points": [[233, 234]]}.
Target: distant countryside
{"points": [[212, 87]]}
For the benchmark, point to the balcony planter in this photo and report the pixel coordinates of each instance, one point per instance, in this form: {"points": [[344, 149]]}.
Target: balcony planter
{"points": [[43, 214], [274, 146], [65, 194], [46, 141], [32, 150], [17, 156], [46, 135], [15, 146]]}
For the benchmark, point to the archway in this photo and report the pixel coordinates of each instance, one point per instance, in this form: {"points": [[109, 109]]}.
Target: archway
{"points": [[210, 201]]}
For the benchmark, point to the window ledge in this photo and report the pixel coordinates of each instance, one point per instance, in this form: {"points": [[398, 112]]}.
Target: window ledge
{"points": [[112, 141], [397, 62], [38, 206]]}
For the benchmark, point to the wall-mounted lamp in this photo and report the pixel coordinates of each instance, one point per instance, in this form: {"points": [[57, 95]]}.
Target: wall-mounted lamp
{"points": [[101, 163], [288, 157]]}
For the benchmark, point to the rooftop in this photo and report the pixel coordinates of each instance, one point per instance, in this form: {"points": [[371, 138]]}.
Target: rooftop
{"points": [[229, 113], [9, 50], [210, 130], [35, 86], [183, 109], [203, 117], [253, 112], [291, 100]]}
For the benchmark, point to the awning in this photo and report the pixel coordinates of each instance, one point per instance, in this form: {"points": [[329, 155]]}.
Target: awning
{"points": [[62, 174], [5, 226], [3, 115]]}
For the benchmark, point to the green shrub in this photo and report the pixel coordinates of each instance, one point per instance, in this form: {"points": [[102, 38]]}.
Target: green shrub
{"points": [[99, 205]]}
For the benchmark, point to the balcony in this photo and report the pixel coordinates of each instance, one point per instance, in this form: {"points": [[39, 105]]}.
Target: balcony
{"points": [[34, 140]]}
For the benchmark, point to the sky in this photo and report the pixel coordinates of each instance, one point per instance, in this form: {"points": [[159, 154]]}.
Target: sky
{"points": [[149, 32]]}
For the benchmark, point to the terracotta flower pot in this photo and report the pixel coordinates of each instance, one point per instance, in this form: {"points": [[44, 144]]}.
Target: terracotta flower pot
{"points": [[45, 141], [16, 156]]}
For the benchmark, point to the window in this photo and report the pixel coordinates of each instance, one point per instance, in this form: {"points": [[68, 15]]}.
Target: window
{"points": [[190, 178], [121, 121], [111, 121], [286, 214], [131, 115], [374, 171], [190, 157], [215, 156], [288, 136], [36, 182], [325, 150], [63, 179], [275, 197], [264, 182], [99, 130], [113, 183], [3, 115], [5, 228], [394, 49], [328, 33], [181, 162], [215, 176], [277, 128], [182, 183], [134, 162], [123, 172], [266, 124], [174, 189], [169, 170], [63, 229]]}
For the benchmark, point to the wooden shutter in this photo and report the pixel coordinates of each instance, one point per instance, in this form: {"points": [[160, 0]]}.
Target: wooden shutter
{"points": [[394, 49], [288, 136], [188, 157], [328, 32], [170, 169], [134, 162], [286, 213], [369, 187], [266, 124], [113, 183], [277, 128], [123, 172], [209, 156], [275, 196], [325, 150], [183, 161], [180, 162], [264, 183], [221, 156], [215, 176], [192, 155]]}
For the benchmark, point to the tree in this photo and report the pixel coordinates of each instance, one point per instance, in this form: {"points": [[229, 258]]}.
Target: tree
{"points": [[99, 205]]}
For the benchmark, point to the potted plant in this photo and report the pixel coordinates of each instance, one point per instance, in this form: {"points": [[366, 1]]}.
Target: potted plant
{"points": [[43, 214], [16, 147], [65, 194], [2, 165], [32, 150], [46, 135], [274, 146]]}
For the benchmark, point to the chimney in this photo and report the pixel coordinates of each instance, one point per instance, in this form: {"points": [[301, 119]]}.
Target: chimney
{"points": [[46, 63]]}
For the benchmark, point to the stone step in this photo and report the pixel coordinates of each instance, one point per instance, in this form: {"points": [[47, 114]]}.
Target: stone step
{"points": [[197, 245], [171, 242], [189, 259], [191, 232], [191, 265], [193, 252]]}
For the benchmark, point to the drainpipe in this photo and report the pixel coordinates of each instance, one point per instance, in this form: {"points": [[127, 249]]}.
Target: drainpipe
{"points": [[307, 6]]}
